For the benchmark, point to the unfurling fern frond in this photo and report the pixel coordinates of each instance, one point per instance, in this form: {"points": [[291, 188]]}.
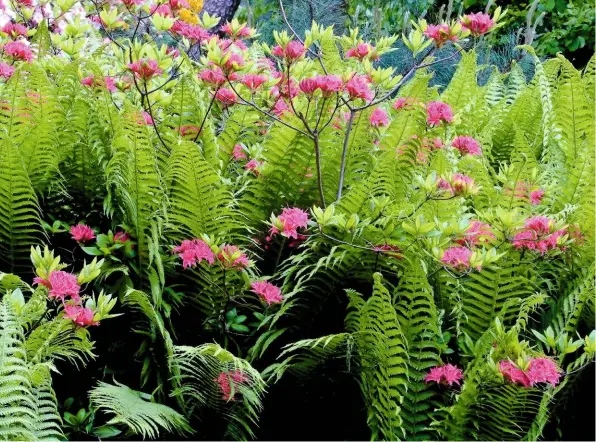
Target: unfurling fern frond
{"points": [[135, 410]]}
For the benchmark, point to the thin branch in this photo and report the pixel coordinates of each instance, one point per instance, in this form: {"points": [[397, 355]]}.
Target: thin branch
{"points": [[344, 153]]}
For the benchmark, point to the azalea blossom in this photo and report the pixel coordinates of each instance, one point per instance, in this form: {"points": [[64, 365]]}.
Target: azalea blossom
{"points": [[253, 165], [447, 375], [378, 118], [457, 258], [14, 30], [361, 51], [193, 32], [466, 145], [327, 84], [145, 118], [6, 70], [225, 96], [253, 81], [63, 284], [441, 34], [536, 196], [108, 83], [18, 50], [229, 381], [359, 87], [478, 24], [458, 184], [145, 69], [82, 233], [477, 233], [193, 252], [280, 108], [269, 293], [539, 234], [539, 370], [238, 153], [81, 316], [188, 129], [293, 51], [232, 257], [403, 102], [288, 222], [438, 112]]}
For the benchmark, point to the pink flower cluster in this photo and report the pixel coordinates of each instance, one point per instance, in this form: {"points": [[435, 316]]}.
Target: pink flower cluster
{"points": [[6, 70], [539, 234], [447, 375], [458, 258], [229, 381], [232, 257], [540, 370], [193, 252], [293, 51], [288, 223], [441, 34], [361, 51], [82, 233], [194, 33], [458, 184], [62, 285], [359, 87], [478, 24], [438, 112], [379, 118], [403, 102], [466, 145], [477, 233], [225, 96], [268, 293], [18, 51], [107, 82], [14, 30], [145, 69], [524, 191], [213, 76], [238, 153], [327, 84]]}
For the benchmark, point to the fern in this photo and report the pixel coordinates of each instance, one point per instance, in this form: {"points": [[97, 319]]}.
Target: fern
{"points": [[135, 410]]}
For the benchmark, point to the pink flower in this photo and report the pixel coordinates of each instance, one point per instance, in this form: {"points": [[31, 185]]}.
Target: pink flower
{"points": [[478, 24], [14, 30], [292, 52], [539, 235], [18, 51], [225, 96], [327, 84], [145, 118], [543, 370], [358, 87], [234, 62], [378, 118], [194, 33], [253, 165], [457, 258], [108, 83], [437, 144], [188, 129], [81, 316], [214, 76], [268, 292], [477, 233], [238, 153], [466, 145], [6, 70], [81, 233], [403, 102], [63, 284], [145, 69], [513, 374], [440, 34], [232, 257], [438, 112], [290, 220], [280, 107], [193, 252], [121, 237], [227, 380], [458, 184], [40, 281], [536, 196], [253, 81], [447, 375], [361, 51]]}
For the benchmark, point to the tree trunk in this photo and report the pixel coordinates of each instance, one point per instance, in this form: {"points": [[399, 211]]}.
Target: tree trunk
{"points": [[225, 9]]}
